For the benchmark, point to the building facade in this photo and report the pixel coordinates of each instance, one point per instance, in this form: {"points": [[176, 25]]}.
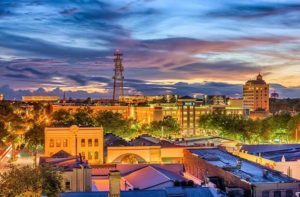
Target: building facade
{"points": [[76, 173], [40, 98], [84, 141], [186, 111], [232, 173], [256, 94]]}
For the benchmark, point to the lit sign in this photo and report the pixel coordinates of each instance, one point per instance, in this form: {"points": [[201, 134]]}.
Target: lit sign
{"points": [[188, 103]]}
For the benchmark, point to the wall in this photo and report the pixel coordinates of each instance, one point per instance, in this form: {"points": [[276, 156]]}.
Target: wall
{"points": [[80, 180], [71, 135]]}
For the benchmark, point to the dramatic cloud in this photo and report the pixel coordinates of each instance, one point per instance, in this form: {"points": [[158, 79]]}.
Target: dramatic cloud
{"points": [[186, 48]]}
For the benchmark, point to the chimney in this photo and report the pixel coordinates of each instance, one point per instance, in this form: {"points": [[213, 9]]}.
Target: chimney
{"points": [[114, 183]]}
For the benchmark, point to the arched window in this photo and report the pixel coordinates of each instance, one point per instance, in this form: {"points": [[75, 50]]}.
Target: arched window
{"points": [[90, 142], [83, 155], [90, 156], [58, 143], [51, 144], [82, 142], [96, 155], [65, 143], [96, 142]]}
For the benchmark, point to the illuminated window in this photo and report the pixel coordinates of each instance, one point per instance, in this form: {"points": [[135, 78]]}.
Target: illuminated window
{"points": [[90, 142], [96, 142], [82, 142], [96, 155], [65, 143], [58, 143], [90, 156], [51, 143]]}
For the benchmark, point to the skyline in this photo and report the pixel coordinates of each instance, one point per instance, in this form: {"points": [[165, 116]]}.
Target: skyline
{"points": [[212, 47]]}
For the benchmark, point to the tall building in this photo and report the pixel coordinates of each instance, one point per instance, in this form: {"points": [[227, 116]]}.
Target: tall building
{"points": [[118, 76], [1, 97], [256, 94]]}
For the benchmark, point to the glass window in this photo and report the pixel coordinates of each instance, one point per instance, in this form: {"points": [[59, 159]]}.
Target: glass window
{"points": [[51, 144], [90, 142], [58, 143], [289, 193], [265, 194], [96, 142], [82, 142], [96, 156], [68, 185], [83, 155], [90, 156], [65, 143], [277, 194]]}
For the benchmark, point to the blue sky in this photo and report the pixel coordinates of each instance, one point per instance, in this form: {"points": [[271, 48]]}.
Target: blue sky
{"points": [[169, 46]]}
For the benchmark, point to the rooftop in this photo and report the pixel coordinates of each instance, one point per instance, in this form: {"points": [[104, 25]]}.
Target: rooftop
{"points": [[151, 176], [274, 152], [168, 192], [145, 193], [64, 161], [248, 171]]}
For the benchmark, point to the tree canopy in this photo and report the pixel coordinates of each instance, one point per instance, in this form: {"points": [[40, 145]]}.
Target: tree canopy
{"points": [[279, 128], [20, 180]]}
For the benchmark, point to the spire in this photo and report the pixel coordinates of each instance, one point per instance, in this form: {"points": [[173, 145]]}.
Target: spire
{"points": [[64, 99], [259, 77], [283, 158]]}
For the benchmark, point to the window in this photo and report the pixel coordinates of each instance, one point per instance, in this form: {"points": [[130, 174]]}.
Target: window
{"points": [[277, 194], [68, 185], [96, 142], [82, 142], [90, 142], [51, 144], [65, 143], [96, 155], [265, 194], [289, 193], [90, 156], [58, 143], [83, 155]]}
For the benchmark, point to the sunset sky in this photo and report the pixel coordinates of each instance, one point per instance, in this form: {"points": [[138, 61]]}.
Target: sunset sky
{"points": [[169, 46]]}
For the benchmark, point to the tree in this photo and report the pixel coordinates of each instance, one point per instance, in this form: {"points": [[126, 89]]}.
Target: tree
{"points": [[62, 118], [168, 127], [113, 123], [35, 139], [3, 133], [84, 117], [293, 127], [19, 180]]}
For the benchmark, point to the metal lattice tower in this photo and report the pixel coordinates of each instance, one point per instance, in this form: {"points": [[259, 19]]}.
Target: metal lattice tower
{"points": [[118, 76]]}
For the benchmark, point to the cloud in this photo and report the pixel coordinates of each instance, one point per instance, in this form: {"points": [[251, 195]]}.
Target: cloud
{"points": [[142, 87], [69, 44], [255, 10]]}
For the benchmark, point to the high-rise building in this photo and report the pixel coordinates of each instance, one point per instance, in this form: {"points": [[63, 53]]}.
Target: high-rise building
{"points": [[256, 94], [118, 76]]}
